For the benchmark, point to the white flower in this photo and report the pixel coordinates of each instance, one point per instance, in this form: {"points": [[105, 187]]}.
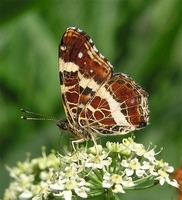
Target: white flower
{"points": [[145, 165], [90, 171], [128, 182], [45, 176], [96, 149], [133, 166], [26, 195], [67, 194], [150, 155], [125, 163], [118, 189], [107, 182], [59, 185], [66, 187], [117, 182], [98, 161], [82, 192], [67, 181], [164, 177], [116, 178], [114, 146], [70, 184], [70, 171], [137, 148], [165, 166]]}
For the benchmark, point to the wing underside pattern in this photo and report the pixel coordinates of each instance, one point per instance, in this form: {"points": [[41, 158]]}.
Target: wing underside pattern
{"points": [[94, 98]]}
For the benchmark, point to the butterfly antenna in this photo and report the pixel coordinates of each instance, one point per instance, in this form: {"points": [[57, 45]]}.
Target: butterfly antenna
{"points": [[41, 117]]}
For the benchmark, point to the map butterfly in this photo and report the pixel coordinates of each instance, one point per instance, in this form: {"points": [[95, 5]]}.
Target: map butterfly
{"points": [[95, 100]]}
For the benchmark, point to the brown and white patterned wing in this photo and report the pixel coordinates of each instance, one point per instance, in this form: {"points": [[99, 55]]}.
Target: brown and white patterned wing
{"points": [[118, 107], [82, 71]]}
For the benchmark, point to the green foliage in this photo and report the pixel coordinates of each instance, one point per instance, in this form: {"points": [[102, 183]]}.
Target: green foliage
{"points": [[142, 38]]}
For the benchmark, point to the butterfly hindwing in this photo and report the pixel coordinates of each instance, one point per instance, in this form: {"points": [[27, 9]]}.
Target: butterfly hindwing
{"points": [[118, 107]]}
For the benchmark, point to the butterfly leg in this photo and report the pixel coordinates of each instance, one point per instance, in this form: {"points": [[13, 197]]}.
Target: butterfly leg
{"points": [[73, 142], [95, 143]]}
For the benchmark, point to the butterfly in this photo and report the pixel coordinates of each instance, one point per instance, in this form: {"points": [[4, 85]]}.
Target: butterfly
{"points": [[96, 100]]}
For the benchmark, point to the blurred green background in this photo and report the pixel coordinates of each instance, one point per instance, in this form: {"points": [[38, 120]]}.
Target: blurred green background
{"points": [[142, 38]]}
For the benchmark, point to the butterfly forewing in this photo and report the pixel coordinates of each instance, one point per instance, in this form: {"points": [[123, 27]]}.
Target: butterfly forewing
{"points": [[94, 99], [79, 81]]}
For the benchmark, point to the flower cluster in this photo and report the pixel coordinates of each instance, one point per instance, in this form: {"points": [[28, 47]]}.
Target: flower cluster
{"points": [[30, 178], [90, 172]]}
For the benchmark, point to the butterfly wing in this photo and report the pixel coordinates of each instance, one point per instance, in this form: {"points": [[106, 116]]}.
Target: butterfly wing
{"points": [[118, 107], [94, 99], [82, 71]]}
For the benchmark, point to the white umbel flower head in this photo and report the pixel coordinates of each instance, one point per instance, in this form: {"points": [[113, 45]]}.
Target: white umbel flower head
{"points": [[90, 172]]}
